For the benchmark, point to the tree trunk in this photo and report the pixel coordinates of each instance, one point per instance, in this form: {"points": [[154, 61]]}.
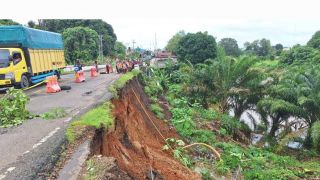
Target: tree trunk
{"points": [[274, 127]]}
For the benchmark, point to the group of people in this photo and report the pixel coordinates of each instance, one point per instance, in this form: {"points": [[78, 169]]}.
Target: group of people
{"points": [[121, 66], [124, 66]]}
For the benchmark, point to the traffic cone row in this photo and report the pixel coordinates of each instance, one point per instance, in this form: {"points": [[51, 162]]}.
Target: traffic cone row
{"points": [[52, 84], [80, 77]]}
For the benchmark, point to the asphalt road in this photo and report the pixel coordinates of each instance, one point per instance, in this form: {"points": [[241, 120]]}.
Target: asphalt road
{"points": [[28, 150]]}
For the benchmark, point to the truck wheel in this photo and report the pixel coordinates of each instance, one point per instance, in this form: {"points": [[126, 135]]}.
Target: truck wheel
{"points": [[24, 81]]}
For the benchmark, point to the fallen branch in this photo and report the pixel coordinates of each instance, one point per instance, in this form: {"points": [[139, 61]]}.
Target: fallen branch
{"points": [[206, 145]]}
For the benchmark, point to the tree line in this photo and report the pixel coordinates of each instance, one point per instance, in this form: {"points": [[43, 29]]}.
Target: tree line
{"points": [[80, 36]]}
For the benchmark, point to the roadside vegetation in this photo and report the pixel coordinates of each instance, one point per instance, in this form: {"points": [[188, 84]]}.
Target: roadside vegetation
{"points": [[55, 113], [98, 117], [121, 82], [13, 108], [210, 94]]}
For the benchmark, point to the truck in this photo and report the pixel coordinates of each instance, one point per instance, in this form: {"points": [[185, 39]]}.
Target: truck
{"points": [[28, 56]]}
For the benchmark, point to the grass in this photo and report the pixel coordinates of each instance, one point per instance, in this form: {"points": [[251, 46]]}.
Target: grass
{"points": [[121, 82], [97, 117], [54, 114]]}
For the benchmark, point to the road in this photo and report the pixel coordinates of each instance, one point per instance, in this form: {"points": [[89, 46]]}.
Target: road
{"points": [[31, 148]]}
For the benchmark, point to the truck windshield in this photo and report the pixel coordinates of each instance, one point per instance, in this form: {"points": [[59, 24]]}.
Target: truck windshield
{"points": [[4, 58]]}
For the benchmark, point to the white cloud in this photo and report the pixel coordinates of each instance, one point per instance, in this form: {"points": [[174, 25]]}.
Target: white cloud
{"points": [[288, 22]]}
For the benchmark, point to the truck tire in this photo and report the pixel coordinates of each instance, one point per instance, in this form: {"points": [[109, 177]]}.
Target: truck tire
{"points": [[24, 81]]}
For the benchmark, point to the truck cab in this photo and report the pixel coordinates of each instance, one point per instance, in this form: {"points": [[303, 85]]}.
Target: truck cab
{"points": [[13, 68]]}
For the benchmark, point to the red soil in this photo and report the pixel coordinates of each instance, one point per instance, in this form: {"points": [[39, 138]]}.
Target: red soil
{"points": [[136, 142]]}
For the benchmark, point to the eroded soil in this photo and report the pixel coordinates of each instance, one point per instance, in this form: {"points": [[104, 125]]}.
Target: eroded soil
{"points": [[137, 139]]}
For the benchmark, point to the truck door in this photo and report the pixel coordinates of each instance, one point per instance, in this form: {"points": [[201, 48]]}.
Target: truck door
{"points": [[19, 64]]}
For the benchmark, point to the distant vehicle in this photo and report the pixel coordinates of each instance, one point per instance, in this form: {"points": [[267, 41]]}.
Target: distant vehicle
{"points": [[28, 56]]}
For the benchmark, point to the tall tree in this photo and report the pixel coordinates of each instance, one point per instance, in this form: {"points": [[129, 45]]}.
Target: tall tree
{"points": [[120, 50], [172, 45], [259, 47], [80, 42], [278, 49], [314, 42], [230, 46], [197, 47]]}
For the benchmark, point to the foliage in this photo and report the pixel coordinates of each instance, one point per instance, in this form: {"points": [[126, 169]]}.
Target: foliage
{"points": [[261, 164], [97, 117], [80, 43], [278, 49], [121, 82], [7, 22], [259, 47], [54, 114], [314, 42], [156, 108], [173, 43], [230, 46], [197, 48], [315, 135], [178, 152], [120, 50], [13, 108], [102, 28], [299, 54]]}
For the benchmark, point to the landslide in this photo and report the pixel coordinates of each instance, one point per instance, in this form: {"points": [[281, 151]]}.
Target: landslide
{"points": [[137, 139]]}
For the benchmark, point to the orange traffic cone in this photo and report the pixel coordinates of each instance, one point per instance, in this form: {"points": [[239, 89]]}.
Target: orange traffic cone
{"points": [[52, 85], [80, 77]]}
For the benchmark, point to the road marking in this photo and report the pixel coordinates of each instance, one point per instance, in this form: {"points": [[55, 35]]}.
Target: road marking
{"points": [[10, 169], [46, 138], [68, 120], [25, 152], [2, 176]]}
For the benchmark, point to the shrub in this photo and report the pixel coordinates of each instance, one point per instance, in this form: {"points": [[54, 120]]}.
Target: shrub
{"points": [[13, 108]]}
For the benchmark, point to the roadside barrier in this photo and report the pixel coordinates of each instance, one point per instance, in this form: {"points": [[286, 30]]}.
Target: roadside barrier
{"points": [[80, 77], [52, 84], [93, 71]]}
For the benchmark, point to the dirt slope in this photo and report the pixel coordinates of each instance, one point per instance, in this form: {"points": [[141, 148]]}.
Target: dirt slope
{"points": [[136, 142]]}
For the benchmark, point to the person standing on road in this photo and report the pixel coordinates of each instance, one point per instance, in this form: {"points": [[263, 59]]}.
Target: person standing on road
{"points": [[78, 66], [96, 65]]}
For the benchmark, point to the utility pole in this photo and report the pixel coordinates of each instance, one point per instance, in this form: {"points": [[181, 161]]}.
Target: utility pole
{"points": [[133, 42], [100, 48]]}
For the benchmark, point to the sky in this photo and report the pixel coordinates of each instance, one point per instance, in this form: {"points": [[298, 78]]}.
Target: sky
{"points": [[149, 21]]}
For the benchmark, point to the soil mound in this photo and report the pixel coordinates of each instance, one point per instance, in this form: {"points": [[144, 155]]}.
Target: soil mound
{"points": [[138, 138]]}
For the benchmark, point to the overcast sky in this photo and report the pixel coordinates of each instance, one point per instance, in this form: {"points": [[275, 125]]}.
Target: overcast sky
{"points": [[281, 21]]}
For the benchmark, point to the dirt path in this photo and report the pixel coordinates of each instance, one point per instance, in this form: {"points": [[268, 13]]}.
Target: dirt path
{"points": [[138, 138]]}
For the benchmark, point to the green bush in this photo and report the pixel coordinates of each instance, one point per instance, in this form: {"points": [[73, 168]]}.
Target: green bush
{"points": [[13, 108]]}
